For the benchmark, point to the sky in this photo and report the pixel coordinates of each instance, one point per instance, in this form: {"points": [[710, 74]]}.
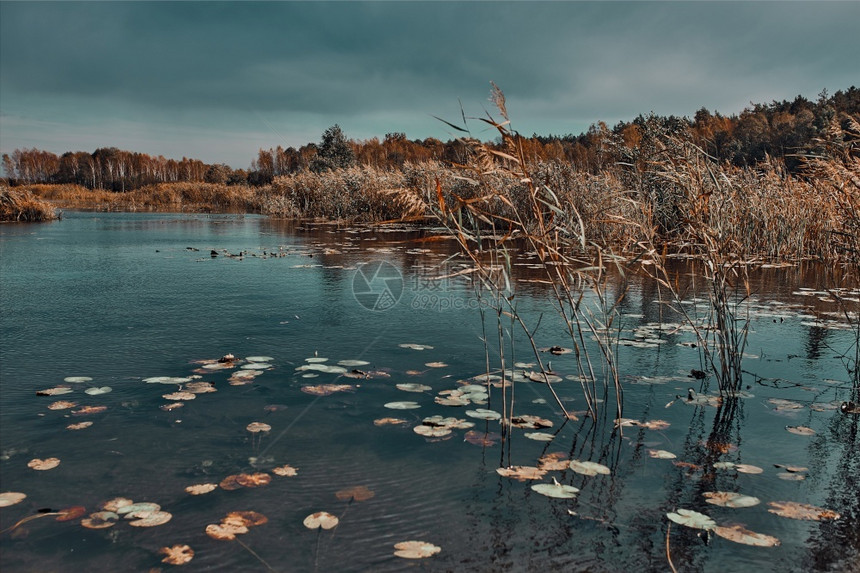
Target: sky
{"points": [[217, 81]]}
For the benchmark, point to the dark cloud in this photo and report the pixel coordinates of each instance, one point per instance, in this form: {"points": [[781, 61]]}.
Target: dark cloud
{"points": [[304, 65]]}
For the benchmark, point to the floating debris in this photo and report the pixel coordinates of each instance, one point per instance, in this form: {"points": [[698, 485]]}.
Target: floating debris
{"points": [[415, 346], [739, 534], [42, 465], [327, 389], [803, 511], [521, 473], [321, 519], [285, 471], [389, 421], [177, 554]]}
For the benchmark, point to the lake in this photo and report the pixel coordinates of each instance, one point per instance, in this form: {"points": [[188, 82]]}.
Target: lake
{"points": [[136, 301]]}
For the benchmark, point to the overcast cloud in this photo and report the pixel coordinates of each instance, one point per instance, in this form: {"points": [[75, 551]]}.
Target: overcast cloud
{"points": [[217, 81]]}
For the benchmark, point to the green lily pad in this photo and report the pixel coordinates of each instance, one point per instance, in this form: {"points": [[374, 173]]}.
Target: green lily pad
{"points": [[404, 405], [691, 518], [556, 490], [483, 414], [589, 468]]}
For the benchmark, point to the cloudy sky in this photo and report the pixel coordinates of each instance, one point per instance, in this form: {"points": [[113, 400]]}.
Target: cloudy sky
{"points": [[217, 81]]}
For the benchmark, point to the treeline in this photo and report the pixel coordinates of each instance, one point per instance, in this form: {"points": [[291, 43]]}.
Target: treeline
{"points": [[784, 130]]}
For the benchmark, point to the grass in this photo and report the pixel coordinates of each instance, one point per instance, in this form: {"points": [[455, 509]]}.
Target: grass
{"points": [[21, 205]]}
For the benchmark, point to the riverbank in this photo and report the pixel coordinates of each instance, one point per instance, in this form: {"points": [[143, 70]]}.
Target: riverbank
{"points": [[21, 205]]}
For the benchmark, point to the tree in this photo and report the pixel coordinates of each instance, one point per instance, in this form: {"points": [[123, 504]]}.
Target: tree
{"points": [[334, 151]]}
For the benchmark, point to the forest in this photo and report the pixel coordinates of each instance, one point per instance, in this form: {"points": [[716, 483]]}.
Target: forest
{"points": [[785, 130]]}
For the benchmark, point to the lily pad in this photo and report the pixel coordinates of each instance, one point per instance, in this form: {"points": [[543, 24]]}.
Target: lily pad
{"points": [[150, 518], [70, 513], [46, 464], [254, 480], [77, 379], [730, 499], [539, 436], [691, 518], [415, 346], [415, 549], [739, 534], [521, 473], [253, 359], [133, 508], [662, 454], [482, 439], [530, 422], [325, 368], [100, 520], [801, 430], [436, 365], [483, 414], [356, 493], [200, 387], [177, 554], [98, 391], [353, 363], [589, 468], [748, 469], [285, 471], [789, 476], [256, 427], [405, 405], [413, 387], [320, 519], [62, 405], [389, 422], [225, 531], [327, 389], [166, 380], [114, 504], [256, 366], [8, 498], [805, 511], [431, 431], [200, 489], [58, 391], [246, 518], [179, 396], [87, 410], [556, 490]]}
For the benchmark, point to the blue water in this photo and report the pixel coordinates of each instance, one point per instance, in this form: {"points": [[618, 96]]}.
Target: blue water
{"points": [[123, 297]]}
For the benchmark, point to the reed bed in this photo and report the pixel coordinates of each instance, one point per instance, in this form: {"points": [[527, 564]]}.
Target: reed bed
{"points": [[22, 206]]}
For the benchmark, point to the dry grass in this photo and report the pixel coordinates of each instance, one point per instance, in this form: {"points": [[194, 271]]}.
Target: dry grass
{"points": [[21, 205]]}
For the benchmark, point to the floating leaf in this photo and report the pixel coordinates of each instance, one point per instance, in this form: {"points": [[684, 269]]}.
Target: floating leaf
{"points": [[801, 430], [100, 520], [521, 473], [730, 499], [254, 480], [662, 454], [389, 421], [132, 508], [539, 436], [46, 464], [415, 346], [59, 390], [62, 405], [259, 358], [415, 549], [166, 380], [402, 405], [795, 510], [320, 519], [691, 518], [530, 422], [357, 493], [230, 483], [724, 465], [481, 438], [589, 468], [450, 422], [324, 368], [327, 389], [200, 489], [557, 350], [556, 490], [353, 363], [483, 414], [114, 504], [150, 518], [256, 427], [789, 476], [655, 425], [77, 379], [413, 387], [256, 366], [740, 534], [543, 377], [556, 461], [98, 391], [246, 518], [200, 387], [171, 406], [225, 532], [177, 554], [71, 513], [431, 431], [436, 365], [180, 396], [87, 410], [285, 471], [785, 404], [793, 469], [748, 469], [316, 360], [8, 498]]}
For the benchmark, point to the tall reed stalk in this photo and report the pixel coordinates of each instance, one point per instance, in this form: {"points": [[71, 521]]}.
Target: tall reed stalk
{"points": [[494, 223]]}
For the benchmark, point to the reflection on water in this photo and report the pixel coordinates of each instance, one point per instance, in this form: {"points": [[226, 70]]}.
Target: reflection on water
{"points": [[121, 297]]}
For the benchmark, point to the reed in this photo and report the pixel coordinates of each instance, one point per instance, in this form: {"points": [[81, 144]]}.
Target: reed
{"points": [[22, 206]]}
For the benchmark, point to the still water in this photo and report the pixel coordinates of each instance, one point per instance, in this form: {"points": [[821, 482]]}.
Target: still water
{"points": [[121, 298]]}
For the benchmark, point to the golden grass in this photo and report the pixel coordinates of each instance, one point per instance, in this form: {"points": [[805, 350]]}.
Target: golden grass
{"points": [[21, 205]]}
